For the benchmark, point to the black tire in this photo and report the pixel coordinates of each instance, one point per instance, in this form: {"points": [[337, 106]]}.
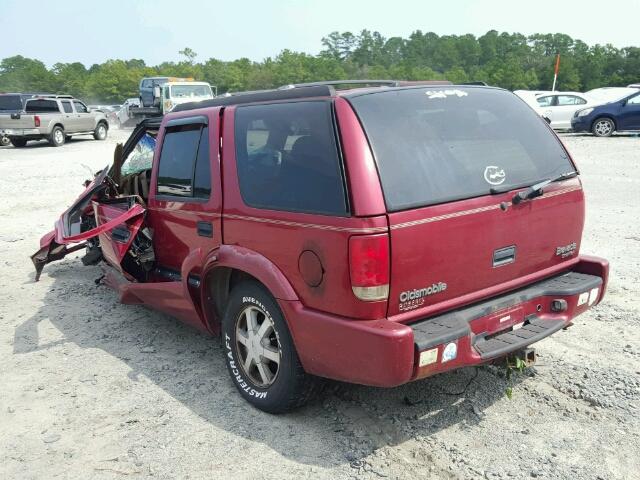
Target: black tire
{"points": [[100, 133], [18, 142], [290, 386], [603, 127], [57, 137]]}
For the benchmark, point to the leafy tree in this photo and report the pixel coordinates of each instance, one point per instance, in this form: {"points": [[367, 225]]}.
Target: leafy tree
{"points": [[509, 60]]}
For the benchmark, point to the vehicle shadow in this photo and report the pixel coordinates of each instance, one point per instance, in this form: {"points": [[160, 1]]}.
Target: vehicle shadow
{"points": [[340, 426]]}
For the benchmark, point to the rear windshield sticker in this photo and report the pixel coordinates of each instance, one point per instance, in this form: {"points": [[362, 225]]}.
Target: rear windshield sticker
{"points": [[494, 175], [445, 93]]}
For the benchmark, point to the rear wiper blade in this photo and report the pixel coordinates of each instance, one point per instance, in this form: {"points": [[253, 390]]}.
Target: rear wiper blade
{"points": [[537, 189]]}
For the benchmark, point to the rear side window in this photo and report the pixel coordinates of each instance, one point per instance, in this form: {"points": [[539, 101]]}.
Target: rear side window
{"points": [[42, 106], [287, 158], [439, 145], [66, 106], [564, 100], [184, 169]]}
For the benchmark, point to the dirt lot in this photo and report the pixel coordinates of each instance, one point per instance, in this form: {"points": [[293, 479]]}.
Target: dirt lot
{"points": [[94, 389]]}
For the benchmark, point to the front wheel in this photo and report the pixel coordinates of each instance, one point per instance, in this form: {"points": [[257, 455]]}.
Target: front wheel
{"points": [[259, 351], [100, 133], [603, 127], [4, 141]]}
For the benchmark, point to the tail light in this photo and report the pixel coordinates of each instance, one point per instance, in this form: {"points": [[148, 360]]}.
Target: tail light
{"points": [[36, 121], [369, 266]]}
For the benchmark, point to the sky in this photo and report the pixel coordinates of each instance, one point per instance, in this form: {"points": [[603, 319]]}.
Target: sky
{"points": [[92, 32]]}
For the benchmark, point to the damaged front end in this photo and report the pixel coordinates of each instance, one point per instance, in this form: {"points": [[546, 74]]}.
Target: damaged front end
{"points": [[107, 219]]}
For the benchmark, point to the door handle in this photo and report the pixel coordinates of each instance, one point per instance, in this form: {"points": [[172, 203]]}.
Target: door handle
{"points": [[504, 256], [205, 229]]}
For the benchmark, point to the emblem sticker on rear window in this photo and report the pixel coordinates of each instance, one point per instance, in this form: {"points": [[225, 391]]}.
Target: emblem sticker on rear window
{"points": [[445, 93], [494, 175]]}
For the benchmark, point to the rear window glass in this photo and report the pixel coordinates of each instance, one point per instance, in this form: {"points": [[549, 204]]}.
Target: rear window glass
{"points": [[287, 158], [41, 106], [10, 102], [438, 145]]}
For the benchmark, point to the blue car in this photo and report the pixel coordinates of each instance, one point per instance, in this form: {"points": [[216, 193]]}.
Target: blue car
{"points": [[603, 120]]}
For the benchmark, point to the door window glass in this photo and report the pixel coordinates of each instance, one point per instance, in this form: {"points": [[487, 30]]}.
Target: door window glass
{"points": [[634, 100], [185, 155], [80, 108], [564, 100], [66, 106], [545, 101]]}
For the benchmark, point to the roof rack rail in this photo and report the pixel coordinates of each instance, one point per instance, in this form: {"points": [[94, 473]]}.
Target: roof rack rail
{"points": [[259, 96], [298, 90], [365, 82], [47, 95]]}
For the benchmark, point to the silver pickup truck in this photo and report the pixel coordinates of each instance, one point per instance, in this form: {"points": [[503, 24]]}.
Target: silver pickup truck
{"points": [[54, 118]]}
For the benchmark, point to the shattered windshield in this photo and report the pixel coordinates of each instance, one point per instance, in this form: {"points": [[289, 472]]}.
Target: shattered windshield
{"points": [[141, 157]]}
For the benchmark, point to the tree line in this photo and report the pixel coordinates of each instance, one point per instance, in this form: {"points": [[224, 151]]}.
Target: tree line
{"points": [[508, 60]]}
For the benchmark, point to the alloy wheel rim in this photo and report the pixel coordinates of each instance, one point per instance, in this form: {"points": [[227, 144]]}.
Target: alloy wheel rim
{"points": [[58, 136], [257, 346], [603, 128], [101, 131]]}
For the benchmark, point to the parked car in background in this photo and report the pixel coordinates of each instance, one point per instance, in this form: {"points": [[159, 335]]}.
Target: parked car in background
{"points": [[609, 94], [556, 107], [122, 117], [308, 272], [603, 120], [148, 94], [169, 94], [54, 118]]}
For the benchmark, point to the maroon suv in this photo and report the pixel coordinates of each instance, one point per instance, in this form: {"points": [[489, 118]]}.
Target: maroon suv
{"points": [[374, 235]]}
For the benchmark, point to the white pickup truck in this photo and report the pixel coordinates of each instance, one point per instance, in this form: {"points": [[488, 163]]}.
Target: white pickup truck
{"points": [[54, 118]]}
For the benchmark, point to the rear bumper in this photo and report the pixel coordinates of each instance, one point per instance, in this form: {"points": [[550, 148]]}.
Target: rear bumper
{"points": [[386, 353], [20, 132]]}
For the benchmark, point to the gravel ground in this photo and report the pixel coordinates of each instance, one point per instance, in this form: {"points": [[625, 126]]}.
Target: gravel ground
{"points": [[95, 389]]}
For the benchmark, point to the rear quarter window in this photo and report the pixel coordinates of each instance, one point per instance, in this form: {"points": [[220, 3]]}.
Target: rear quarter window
{"points": [[287, 158], [437, 145]]}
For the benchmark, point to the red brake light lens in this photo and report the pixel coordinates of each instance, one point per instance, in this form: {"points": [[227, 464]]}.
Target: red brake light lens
{"points": [[369, 266], [36, 121]]}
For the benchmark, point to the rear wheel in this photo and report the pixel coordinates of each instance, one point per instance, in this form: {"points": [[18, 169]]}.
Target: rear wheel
{"points": [[603, 127], [100, 133], [57, 137], [18, 142], [259, 351], [4, 141]]}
